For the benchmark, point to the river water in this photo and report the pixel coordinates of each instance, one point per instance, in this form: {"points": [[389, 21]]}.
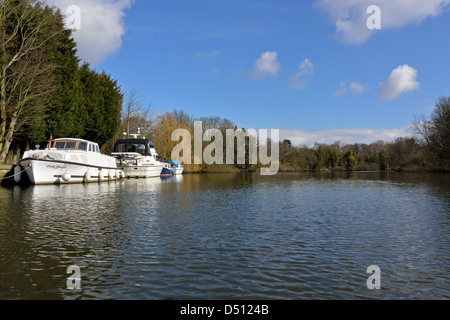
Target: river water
{"points": [[229, 236]]}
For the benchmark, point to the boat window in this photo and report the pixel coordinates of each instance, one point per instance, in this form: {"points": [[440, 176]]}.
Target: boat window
{"points": [[65, 145], [82, 146], [131, 147], [140, 148], [90, 147], [97, 149], [60, 144], [71, 145]]}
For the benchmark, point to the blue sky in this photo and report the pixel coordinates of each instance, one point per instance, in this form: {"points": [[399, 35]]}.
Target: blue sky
{"points": [[310, 68]]}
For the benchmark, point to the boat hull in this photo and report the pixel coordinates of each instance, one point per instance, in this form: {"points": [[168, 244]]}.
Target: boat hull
{"points": [[178, 171], [44, 171], [167, 172], [142, 172]]}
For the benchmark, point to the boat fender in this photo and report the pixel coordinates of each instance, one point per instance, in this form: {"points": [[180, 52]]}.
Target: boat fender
{"points": [[110, 175], [17, 174], [87, 176], [66, 177], [100, 176]]}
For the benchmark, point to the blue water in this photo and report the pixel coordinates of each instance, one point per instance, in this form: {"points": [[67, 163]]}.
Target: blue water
{"points": [[229, 236]]}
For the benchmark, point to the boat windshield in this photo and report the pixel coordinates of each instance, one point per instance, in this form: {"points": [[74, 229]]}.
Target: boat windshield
{"points": [[71, 145], [130, 147], [75, 145]]}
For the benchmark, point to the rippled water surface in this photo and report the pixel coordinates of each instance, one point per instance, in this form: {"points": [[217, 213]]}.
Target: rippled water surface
{"points": [[291, 236]]}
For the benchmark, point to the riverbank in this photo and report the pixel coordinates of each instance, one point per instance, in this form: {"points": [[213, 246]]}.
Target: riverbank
{"points": [[4, 169], [288, 169]]}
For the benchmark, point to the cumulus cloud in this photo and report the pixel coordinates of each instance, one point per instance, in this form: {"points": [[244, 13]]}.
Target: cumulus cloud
{"points": [[350, 87], [266, 65], [101, 26], [402, 79], [350, 16], [345, 136], [298, 80]]}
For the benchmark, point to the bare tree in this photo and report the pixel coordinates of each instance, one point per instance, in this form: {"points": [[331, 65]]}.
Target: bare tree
{"points": [[24, 72], [136, 118], [436, 133]]}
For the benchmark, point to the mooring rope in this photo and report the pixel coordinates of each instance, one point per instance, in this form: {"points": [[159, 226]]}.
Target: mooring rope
{"points": [[16, 174]]}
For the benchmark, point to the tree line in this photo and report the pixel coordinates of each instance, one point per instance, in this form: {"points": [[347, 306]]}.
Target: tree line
{"points": [[428, 150], [45, 90]]}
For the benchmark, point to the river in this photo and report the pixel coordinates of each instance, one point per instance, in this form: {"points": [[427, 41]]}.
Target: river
{"points": [[229, 236]]}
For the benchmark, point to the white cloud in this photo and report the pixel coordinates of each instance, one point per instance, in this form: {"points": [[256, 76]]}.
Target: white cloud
{"points": [[266, 65], [298, 81], [101, 29], [350, 16], [402, 79], [345, 136], [350, 86]]}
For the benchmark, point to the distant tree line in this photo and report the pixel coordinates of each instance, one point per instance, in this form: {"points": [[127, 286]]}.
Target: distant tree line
{"points": [[429, 150]]}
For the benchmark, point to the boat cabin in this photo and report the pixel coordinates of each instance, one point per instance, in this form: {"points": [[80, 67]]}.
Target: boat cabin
{"points": [[74, 144], [142, 146]]}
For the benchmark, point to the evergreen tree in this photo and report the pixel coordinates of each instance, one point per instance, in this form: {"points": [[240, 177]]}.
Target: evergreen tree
{"points": [[101, 105], [43, 89]]}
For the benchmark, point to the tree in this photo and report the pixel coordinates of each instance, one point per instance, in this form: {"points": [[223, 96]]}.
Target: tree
{"points": [[25, 77], [333, 158], [136, 117], [403, 152], [383, 160], [221, 124], [101, 105], [287, 152], [350, 159], [436, 134], [64, 118], [166, 124]]}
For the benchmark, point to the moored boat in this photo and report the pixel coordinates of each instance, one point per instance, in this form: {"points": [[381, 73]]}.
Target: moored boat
{"points": [[171, 168], [137, 158], [177, 167], [68, 160], [168, 170]]}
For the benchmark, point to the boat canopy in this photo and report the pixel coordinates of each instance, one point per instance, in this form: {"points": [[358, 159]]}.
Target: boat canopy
{"points": [[141, 146], [176, 164]]}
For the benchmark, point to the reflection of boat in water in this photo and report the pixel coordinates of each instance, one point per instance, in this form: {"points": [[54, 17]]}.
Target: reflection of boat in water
{"points": [[137, 158], [68, 161]]}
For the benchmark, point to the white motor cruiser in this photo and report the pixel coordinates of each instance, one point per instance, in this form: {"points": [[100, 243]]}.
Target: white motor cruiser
{"points": [[68, 161], [137, 158]]}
